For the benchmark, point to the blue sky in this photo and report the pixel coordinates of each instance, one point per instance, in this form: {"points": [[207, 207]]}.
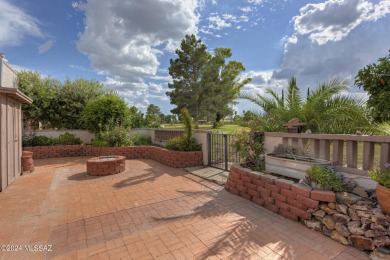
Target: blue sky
{"points": [[127, 44]]}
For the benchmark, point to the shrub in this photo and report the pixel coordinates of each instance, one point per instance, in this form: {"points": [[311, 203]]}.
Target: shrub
{"points": [[106, 112], [116, 136], [141, 140], [185, 143], [325, 178], [249, 146], [69, 139], [39, 140], [175, 144], [99, 142], [381, 176]]}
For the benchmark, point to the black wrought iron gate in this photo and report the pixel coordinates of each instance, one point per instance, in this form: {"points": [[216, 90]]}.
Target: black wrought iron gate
{"points": [[221, 153]]}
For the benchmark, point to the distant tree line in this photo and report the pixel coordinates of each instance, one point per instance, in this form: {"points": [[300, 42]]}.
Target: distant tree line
{"points": [[82, 104]]}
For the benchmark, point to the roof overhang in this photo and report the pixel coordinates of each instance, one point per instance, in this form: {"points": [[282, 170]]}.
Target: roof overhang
{"points": [[16, 95]]}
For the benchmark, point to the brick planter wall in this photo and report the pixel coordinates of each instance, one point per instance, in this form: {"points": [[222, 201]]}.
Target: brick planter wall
{"points": [[353, 221], [170, 158], [280, 196], [98, 167]]}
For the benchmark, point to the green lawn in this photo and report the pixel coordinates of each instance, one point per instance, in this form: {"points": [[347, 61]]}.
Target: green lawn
{"points": [[223, 129]]}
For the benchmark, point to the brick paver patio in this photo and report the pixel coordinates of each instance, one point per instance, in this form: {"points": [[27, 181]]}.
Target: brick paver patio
{"points": [[150, 211]]}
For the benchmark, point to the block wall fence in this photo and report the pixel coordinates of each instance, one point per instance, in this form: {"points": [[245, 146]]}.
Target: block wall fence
{"points": [[173, 159]]}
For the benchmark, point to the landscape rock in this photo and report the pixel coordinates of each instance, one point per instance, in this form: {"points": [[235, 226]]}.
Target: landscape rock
{"points": [[328, 210], [343, 209], [378, 212], [326, 231], [332, 205], [365, 221], [360, 207], [380, 254], [342, 229], [351, 184], [382, 241], [374, 233], [339, 238], [319, 214], [313, 224], [380, 220], [353, 214], [346, 198], [340, 218], [364, 202], [363, 214], [360, 191], [361, 242], [355, 228], [328, 222], [378, 227]]}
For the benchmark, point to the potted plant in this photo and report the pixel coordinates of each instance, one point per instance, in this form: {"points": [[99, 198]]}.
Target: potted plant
{"points": [[324, 178], [383, 186]]}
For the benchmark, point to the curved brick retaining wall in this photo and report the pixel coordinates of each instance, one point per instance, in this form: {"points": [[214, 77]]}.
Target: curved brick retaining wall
{"points": [[173, 159]]}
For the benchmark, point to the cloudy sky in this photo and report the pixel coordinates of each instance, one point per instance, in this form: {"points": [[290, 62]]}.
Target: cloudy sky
{"points": [[127, 44]]}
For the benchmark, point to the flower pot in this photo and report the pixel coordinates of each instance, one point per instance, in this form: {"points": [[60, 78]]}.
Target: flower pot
{"points": [[383, 195]]}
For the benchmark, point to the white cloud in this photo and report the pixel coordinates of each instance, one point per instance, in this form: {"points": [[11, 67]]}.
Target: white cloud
{"points": [[334, 20], [46, 46], [313, 64], [256, 2], [123, 39], [157, 88], [246, 9], [16, 24], [217, 22]]}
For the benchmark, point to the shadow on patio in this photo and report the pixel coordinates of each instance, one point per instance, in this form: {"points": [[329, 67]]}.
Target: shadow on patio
{"points": [[148, 211]]}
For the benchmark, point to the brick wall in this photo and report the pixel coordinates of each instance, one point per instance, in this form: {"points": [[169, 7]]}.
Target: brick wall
{"points": [[278, 195], [170, 158]]}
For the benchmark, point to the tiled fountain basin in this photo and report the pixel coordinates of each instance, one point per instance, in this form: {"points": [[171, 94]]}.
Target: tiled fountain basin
{"points": [[105, 165]]}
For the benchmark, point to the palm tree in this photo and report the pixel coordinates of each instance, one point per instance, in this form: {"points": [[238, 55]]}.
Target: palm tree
{"points": [[325, 110]]}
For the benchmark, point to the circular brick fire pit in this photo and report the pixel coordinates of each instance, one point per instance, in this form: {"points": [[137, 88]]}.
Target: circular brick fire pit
{"points": [[105, 165]]}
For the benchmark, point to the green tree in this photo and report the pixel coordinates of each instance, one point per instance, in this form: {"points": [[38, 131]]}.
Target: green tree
{"points": [[324, 110], [186, 72], [221, 84], [105, 113], [205, 84], [375, 79], [43, 91], [154, 113], [170, 119], [56, 104], [73, 97]]}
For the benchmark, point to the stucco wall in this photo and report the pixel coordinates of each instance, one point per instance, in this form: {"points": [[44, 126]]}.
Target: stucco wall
{"points": [[84, 135], [8, 76]]}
